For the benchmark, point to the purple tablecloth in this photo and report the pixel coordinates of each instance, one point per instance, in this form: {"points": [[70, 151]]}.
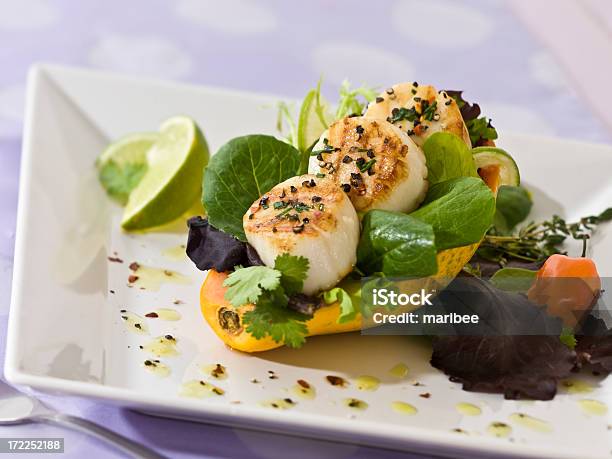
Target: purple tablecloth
{"points": [[279, 47]]}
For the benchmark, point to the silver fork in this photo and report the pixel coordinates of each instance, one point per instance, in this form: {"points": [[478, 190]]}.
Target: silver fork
{"points": [[19, 408]]}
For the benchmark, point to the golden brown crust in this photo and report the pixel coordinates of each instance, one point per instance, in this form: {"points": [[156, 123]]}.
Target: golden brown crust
{"points": [[357, 141], [407, 95], [299, 205]]}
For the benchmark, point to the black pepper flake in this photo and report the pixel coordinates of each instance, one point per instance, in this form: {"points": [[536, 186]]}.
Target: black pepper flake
{"points": [[316, 199], [288, 400], [138, 326], [320, 157], [417, 99], [123, 310], [251, 216], [390, 91], [298, 229], [347, 159], [293, 189], [414, 91], [112, 291], [283, 194], [415, 84], [359, 130], [305, 183], [264, 201], [380, 99], [169, 337], [274, 230], [306, 220], [149, 363], [425, 395], [370, 154], [355, 176], [395, 111], [321, 207], [346, 187], [448, 102], [312, 183], [371, 171]]}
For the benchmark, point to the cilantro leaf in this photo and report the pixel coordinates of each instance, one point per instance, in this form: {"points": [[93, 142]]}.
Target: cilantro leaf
{"points": [[347, 309], [293, 272], [119, 180], [281, 324], [246, 285]]}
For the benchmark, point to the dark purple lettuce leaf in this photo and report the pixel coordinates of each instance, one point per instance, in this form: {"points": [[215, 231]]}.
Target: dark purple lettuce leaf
{"points": [[503, 358], [516, 366], [594, 345], [304, 304], [210, 248], [468, 111]]}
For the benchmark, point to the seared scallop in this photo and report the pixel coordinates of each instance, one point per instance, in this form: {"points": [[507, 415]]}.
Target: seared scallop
{"points": [[373, 162], [306, 216], [419, 110]]}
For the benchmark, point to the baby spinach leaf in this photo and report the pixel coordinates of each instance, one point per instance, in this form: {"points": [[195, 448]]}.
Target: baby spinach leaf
{"points": [[243, 170], [396, 244], [459, 210], [447, 157], [512, 207]]}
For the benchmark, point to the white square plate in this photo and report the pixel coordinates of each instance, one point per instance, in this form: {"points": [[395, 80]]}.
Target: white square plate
{"points": [[66, 334]]}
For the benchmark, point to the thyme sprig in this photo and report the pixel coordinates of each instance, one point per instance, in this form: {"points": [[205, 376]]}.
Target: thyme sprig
{"points": [[537, 241]]}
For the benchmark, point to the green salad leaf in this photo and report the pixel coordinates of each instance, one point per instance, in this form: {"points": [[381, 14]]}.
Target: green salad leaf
{"points": [[513, 279], [120, 179], [243, 170], [293, 272], [354, 100], [347, 309], [396, 244], [460, 211], [512, 207], [447, 157]]}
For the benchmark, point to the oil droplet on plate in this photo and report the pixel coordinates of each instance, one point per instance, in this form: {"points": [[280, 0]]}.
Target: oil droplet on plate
{"points": [[404, 408], [399, 370], [148, 278], [366, 382], [279, 403], [134, 322], [216, 371], [157, 368], [530, 422], [576, 386], [170, 315], [355, 404], [176, 253], [304, 389], [499, 429], [593, 407], [200, 389], [468, 409], [162, 346]]}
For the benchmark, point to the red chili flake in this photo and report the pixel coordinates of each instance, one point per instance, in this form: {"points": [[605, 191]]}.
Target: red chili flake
{"points": [[336, 380], [168, 273], [152, 315], [379, 100], [303, 383], [115, 259], [132, 278], [134, 266], [425, 395]]}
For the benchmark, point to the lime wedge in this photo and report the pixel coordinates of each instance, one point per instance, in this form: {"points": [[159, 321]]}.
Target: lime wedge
{"points": [[123, 164], [173, 180], [131, 148], [315, 117], [492, 157]]}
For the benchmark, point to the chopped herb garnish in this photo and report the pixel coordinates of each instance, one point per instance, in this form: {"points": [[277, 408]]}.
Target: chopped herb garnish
{"points": [[367, 166]]}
